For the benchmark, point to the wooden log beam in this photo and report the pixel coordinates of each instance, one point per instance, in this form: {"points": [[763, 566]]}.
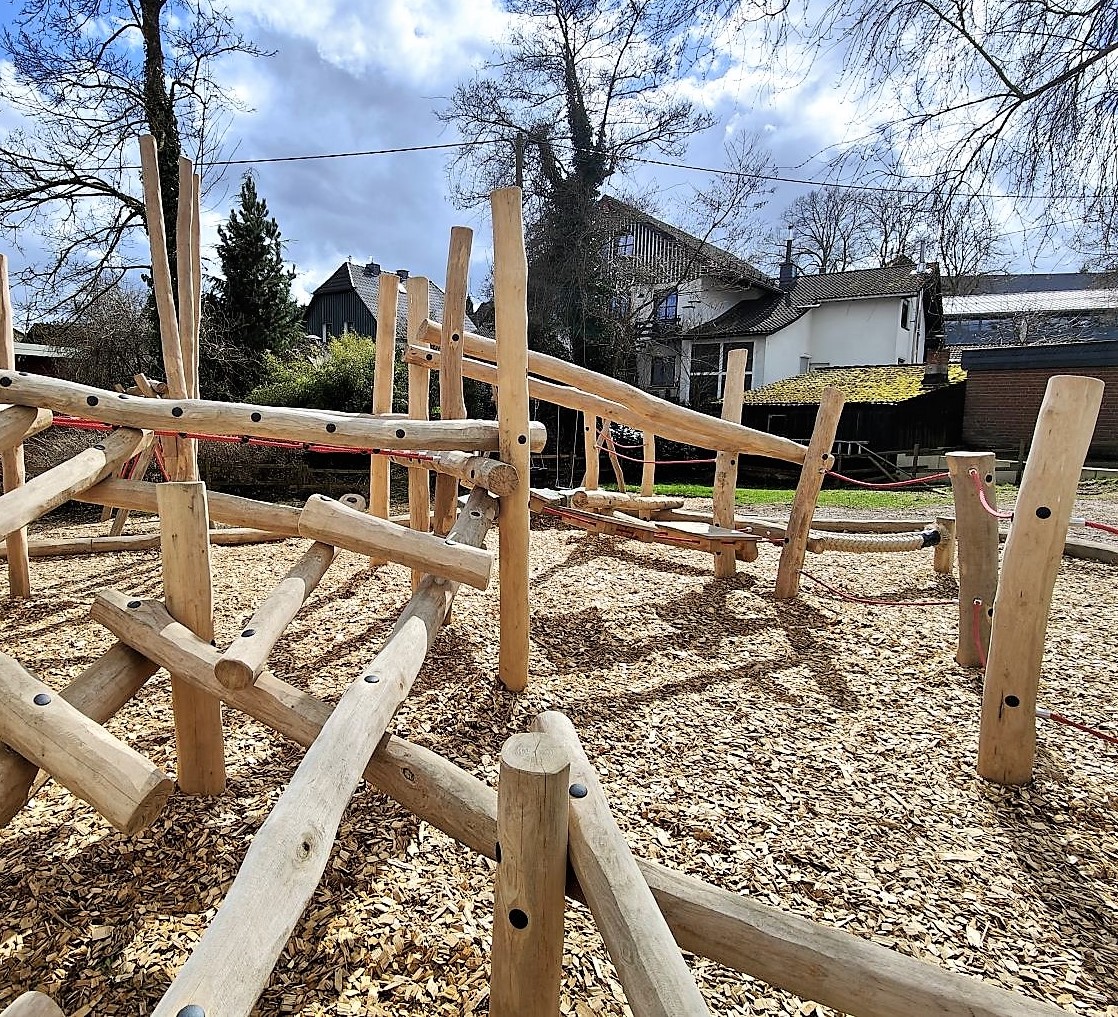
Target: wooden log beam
{"points": [[597, 501], [333, 523], [247, 654], [614, 458], [140, 495], [11, 458], [470, 469], [639, 409], [33, 1004], [649, 965], [202, 416], [419, 408], [98, 692], [590, 477], [530, 893], [388, 296], [837, 969], [125, 787], [726, 463], [17, 423], [51, 489], [976, 535], [188, 591], [819, 460], [143, 461], [510, 300], [1007, 732], [232, 962], [185, 231], [75, 547]]}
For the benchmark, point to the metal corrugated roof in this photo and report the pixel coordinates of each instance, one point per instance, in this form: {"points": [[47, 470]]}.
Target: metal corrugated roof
{"points": [[979, 305]]}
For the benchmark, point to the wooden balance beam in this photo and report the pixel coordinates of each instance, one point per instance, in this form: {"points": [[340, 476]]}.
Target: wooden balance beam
{"points": [[66, 547]]}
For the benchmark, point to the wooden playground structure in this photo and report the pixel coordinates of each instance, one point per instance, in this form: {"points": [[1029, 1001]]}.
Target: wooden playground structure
{"points": [[550, 809]]}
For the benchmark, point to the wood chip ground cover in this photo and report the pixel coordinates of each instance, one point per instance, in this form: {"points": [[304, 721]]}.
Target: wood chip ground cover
{"points": [[818, 756]]}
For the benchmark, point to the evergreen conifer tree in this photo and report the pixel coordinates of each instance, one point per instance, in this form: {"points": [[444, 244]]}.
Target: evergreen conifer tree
{"points": [[250, 310]]}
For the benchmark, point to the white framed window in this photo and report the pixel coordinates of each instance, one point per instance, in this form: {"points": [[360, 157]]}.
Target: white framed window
{"points": [[626, 245], [708, 370], [667, 307]]}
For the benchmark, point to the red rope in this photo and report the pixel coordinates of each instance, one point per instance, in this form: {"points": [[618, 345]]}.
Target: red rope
{"points": [[584, 517], [1100, 526], [869, 600], [978, 486], [1061, 719], [896, 483]]}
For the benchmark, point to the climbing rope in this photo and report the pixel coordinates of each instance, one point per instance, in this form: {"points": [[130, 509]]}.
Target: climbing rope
{"points": [[886, 486], [601, 445], [980, 488]]}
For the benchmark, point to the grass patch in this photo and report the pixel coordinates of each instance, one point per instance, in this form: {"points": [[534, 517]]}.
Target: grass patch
{"points": [[847, 498]]}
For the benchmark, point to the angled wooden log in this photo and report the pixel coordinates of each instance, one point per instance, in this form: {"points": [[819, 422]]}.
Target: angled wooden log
{"points": [[419, 408], [188, 590], [818, 461], [230, 509], [143, 461], [809, 959], [33, 1004], [529, 897], [452, 402], [11, 457], [1007, 733], [976, 536], [640, 944], [614, 460], [51, 489], [232, 962], [388, 294], [187, 338], [469, 468], [17, 423], [98, 692], [247, 654], [333, 523], [510, 301], [726, 463], [590, 449], [125, 787], [76, 547], [360, 431], [639, 409], [648, 466]]}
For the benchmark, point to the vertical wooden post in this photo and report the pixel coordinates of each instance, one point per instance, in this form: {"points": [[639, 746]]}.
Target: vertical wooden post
{"points": [[452, 401], [590, 447], [388, 297], [648, 469], [188, 335], [188, 591], [196, 273], [510, 296], [976, 539], [726, 463], [944, 554], [11, 460], [1007, 734], [529, 898], [816, 464], [419, 408]]}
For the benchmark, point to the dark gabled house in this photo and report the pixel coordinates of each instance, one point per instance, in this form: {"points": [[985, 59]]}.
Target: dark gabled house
{"points": [[347, 303]]}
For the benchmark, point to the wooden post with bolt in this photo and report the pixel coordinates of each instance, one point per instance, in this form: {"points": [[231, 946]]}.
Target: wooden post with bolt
{"points": [[816, 464], [188, 331], [1007, 733], [419, 408], [188, 592], [590, 478], [976, 539], [388, 288], [726, 463], [510, 297], [11, 459], [529, 897], [648, 467]]}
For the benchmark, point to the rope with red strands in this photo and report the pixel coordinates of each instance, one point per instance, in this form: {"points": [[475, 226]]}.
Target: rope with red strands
{"points": [[1100, 526], [872, 600], [886, 486], [978, 486], [580, 517], [602, 439]]}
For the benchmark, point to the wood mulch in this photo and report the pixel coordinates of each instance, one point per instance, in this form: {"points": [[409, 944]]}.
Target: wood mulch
{"points": [[818, 756]]}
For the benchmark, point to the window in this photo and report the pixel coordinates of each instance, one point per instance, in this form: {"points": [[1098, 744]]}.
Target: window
{"points": [[620, 305], [326, 327], [805, 365], [904, 315], [708, 370], [667, 307], [626, 245], [663, 372]]}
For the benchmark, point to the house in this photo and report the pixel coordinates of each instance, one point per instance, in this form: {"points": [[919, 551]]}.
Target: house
{"points": [[38, 357], [1023, 310], [347, 302], [692, 303]]}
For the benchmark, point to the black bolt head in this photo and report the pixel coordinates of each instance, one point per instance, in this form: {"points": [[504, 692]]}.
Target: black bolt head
{"points": [[248, 632], [134, 603], [578, 791], [42, 699]]}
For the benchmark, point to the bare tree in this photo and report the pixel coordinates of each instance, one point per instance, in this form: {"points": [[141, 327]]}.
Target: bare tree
{"points": [[88, 77], [726, 211], [968, 243], [830, 229]]}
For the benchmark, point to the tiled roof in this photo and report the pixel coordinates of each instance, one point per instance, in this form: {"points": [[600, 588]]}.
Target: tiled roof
{"points": [[770, 314], [889, 384], [352, 276]]}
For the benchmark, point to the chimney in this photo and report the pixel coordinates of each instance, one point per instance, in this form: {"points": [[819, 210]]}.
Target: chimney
{"points": [[402, 274], [936, 366], [787, 267], [372, 268]]}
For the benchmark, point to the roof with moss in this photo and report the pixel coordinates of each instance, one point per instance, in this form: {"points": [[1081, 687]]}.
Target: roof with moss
{"points": [[889, 384]]}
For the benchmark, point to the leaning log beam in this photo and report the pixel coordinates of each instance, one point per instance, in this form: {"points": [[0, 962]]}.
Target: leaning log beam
{"points": [[639, 409], [811, 960], [205, 416], [231, 964], [51, 489], [598, 500], [18, 423], [495, 476]]}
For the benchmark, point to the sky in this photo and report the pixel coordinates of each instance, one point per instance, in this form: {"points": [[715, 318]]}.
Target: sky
{"points": [[354, 77]]}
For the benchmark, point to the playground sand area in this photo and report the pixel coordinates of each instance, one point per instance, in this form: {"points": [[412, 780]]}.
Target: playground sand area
{"points": [[818, 756]]}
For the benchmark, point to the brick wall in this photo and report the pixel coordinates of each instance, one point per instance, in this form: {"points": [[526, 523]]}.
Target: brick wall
{"points": [[1002, 407]]}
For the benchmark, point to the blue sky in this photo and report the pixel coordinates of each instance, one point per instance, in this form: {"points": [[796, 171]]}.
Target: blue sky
{"points": [[350, 77]]}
